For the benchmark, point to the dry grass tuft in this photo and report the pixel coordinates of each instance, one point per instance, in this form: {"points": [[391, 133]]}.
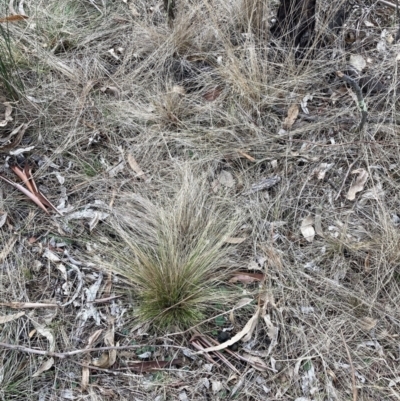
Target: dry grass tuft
{"points": [[176, 258]]}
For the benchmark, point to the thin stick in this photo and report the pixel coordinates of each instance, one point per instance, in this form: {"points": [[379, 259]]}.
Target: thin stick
{"points": [[353, 376], [63, 355], [388, 3]]}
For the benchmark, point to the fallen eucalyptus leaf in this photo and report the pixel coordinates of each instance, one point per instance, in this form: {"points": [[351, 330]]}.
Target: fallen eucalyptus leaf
{"points": [[358, 185], [9, 318], [43, 367], [293, 112]]}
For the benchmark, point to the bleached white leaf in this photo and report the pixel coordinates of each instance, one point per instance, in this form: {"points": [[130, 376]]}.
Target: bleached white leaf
{"points": [[308, 379], [381, 46], [359, 376], [322, 170], [68, 394], [307, 228], [63, 271], [273, 332], [244, 335], [216, 386], [3, 219], [273, 365], [19, 151], [226, 179], [112, 52], [145, 355], [183, 397], [51, 255], [91, 292], [304, 101], [358, 62], [205, 382], [60, 178], [393, 382], [116, 169], [46, 332], [253, 265], [307, 310], [266, 389]]}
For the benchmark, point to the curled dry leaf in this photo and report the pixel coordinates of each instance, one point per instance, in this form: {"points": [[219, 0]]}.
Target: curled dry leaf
{"points": [[93, 337], [293, 112], [358, 185], [307, 229], [246, 278], [244, 335], [304, 101], [13, 18], [235, 240], [46, 365], [135, 167], [103, 361], [46, 332], [256, 362], [212, 94]]}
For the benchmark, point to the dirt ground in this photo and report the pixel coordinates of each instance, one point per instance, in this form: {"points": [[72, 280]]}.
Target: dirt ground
{"points": [[142, 129]]}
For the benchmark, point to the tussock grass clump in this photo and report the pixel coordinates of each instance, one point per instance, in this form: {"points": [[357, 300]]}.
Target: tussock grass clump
{"points": [[177, 254]]}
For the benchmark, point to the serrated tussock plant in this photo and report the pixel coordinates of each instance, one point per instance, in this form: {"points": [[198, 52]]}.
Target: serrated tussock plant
{"points": [[175, 256]]}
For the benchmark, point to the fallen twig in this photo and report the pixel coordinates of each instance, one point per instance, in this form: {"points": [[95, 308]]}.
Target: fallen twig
{"points": [[63, 355]]}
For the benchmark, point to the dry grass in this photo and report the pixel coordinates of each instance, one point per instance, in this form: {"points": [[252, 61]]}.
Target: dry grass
{"points": [[177, 258], [200, 104]]}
